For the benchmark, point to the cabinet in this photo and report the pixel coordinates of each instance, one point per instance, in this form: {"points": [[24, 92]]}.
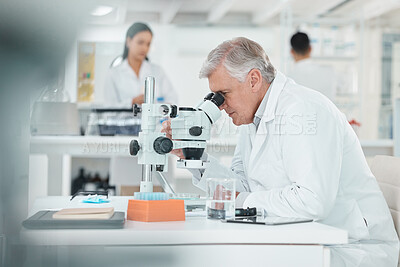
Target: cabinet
{"points": [[390, 82]]}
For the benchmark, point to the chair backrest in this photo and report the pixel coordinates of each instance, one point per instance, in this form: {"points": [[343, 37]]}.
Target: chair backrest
{"points": [[386, 170]]}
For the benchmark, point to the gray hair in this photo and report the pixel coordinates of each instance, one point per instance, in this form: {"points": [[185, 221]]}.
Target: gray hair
{"points": [[239, 56]]}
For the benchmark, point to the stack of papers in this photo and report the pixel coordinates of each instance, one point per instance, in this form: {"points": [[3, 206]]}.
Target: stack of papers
{"points": [[84, 214]]}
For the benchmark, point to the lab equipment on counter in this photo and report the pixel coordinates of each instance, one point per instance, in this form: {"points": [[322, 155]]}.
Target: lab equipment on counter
{"points": [[156, 210], [249, 212], [54, 114], [95, 199], [111, 121], [151, 196], [190, 127], [90, 193], [221, 195], [186, 196]]}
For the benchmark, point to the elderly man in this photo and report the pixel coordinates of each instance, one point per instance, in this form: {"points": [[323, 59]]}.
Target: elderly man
{"points": [[297, 156]]}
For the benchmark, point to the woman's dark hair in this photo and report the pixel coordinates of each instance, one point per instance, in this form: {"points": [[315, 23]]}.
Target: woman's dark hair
{"points": [[132, 31]]}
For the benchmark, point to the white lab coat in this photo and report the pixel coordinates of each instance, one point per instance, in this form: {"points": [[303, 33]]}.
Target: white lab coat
{"points": [[122, 84], [319, 77], [306, 161]]}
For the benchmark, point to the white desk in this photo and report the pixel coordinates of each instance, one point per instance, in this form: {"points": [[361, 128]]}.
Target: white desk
{"points": [[195, 242]]}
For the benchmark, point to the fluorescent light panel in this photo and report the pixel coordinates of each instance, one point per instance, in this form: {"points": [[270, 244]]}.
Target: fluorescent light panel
{"points": [[101, 11]]}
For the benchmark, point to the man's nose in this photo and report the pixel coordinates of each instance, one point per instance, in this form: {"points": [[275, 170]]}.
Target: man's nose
{"points": [[223, 106]]}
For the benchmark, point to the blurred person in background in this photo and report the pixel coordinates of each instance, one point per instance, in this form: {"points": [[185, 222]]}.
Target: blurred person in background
{"points": [[308, 73], [124, 85]]}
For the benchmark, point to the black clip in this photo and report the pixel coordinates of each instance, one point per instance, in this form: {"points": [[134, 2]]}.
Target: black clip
{"points": [[249, 212]]}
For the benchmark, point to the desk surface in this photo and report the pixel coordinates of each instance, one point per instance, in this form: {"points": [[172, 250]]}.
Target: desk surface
{"points": [[191, 231]]}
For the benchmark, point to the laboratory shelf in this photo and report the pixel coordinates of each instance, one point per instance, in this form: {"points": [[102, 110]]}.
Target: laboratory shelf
{"points": [[119, 145]]}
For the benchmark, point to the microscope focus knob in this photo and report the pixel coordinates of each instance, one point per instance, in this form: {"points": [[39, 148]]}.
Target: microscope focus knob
{"points": [[163, 145], [136, 110], [195, 131], [134, 147]]}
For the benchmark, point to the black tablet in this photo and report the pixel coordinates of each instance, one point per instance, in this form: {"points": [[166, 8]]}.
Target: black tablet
{"points": [[269, 220], [44, 220]]}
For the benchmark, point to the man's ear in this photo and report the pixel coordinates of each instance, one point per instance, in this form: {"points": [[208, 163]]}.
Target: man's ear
{"points": [[255, 78], [309, 50]]}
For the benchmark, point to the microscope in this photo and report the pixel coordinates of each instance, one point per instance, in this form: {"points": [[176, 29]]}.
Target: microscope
{"points": [[191, 128]]}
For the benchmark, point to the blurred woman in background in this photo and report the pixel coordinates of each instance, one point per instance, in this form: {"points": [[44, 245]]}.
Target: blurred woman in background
{"points": [[124, 86]]}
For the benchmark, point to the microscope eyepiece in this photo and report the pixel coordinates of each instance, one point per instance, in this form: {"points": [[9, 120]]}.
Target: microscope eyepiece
{"points": [[174, 111], [208, 96], [218, 99]]}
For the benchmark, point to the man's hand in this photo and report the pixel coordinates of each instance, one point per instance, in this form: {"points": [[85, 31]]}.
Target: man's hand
{"points": [[166, 128], [138, 100]]}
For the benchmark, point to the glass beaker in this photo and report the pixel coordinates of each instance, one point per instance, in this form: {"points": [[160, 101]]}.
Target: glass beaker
{"points": [[220, 198]]}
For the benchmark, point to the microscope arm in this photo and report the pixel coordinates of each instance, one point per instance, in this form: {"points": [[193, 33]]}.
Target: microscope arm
{"points": [[164, 183]]}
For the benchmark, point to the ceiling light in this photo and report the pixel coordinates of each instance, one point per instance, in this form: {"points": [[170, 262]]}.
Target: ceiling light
{"points": [[101, 11]]}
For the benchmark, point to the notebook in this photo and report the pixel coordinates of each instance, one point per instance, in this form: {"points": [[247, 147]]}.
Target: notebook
{"points": [[84, 214]]}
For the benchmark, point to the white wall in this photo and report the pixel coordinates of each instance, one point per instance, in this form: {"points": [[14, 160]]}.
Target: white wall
{"points": [[186, 49]]}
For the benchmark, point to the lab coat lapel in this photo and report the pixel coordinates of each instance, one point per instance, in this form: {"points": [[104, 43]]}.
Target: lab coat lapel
{"points": [[262, 134], [145, 70], [258, 140], [127, 69]]}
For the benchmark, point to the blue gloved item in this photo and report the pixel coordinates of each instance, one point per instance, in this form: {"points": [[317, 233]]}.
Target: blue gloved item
{"points": [[95, 199]]}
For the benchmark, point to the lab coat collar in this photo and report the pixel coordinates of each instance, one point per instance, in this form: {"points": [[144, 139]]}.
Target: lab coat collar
{"points": [[125, 65], [144, 69], [260, 137], [261, 108], [275, 89], [303, 63]]}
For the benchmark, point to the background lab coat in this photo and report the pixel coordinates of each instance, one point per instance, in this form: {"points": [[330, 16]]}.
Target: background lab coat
{"points": [[306, 161], [315, 76], [122, 84]]}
